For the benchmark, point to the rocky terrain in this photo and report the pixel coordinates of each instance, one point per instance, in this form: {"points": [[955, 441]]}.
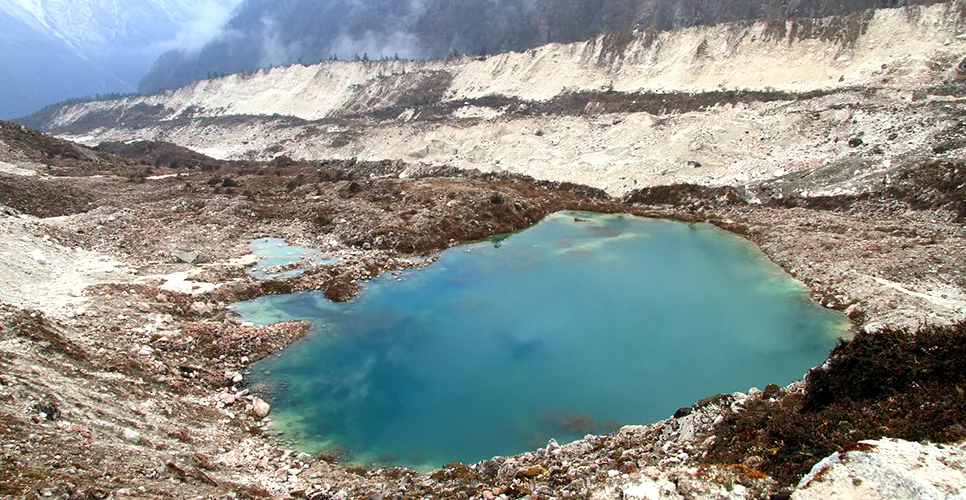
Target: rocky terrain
{"points": [[835, 145]]}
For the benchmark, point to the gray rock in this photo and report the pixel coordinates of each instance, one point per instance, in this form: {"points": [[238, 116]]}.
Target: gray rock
{"points": [[186, 256], [888, 468]]}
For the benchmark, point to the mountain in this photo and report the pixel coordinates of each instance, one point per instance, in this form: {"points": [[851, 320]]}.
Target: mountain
{"points": [[52, 50], [267, 33], [706, 105]]}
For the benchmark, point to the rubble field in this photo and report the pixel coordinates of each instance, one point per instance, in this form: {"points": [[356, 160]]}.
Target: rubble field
{"points": [[123, 373]]}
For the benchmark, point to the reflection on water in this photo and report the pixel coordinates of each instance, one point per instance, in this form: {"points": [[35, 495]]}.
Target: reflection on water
{"points": [[571, 327]]}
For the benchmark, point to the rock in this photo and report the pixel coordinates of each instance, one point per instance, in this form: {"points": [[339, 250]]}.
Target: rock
{"points": [[130, 435], [532, 472], [852, 310], [145, 350], [644, 491], [682, 412], [226, 399], [887, 468], [873, 327], [236, 378], [552, 445], [48, 411], [693, 164], [855, 142], [144, 307], [488, 468], [200, 308], [260, 408], [38, 256], [186, 256]]}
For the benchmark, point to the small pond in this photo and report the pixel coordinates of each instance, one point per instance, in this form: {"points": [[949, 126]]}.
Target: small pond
{"points": [[577, 325], [279, 260]]}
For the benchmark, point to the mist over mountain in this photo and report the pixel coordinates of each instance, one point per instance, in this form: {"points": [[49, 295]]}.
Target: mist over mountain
{"points": [[266, 33], [53, 50]]}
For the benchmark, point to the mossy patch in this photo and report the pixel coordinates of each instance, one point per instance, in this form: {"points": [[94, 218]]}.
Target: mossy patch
{"points": [[894, 383]]}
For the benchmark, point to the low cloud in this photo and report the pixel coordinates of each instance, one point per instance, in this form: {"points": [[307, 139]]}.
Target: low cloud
{"points": [[377, 45], [275, 52], [205, 24]]}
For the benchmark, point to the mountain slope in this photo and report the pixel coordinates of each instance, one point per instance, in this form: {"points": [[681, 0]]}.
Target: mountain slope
{"points": [[27, 84], [711, 105], [279, 32], [56, 49]]}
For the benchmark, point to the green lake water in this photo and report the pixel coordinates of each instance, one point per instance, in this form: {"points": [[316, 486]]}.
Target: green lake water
{"points": [[567, 328]]}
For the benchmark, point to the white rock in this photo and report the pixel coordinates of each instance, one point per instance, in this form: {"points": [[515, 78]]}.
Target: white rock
{"points": [[130, 435], [226, 398], [145, 351], [38, 256], [890, 468], [552, 445], [873, 327], [260, 407], [644, 491]]}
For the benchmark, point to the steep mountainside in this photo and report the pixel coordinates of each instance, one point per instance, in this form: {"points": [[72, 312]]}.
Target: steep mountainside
{"points": [[56, 49], [28, 85], [746, 101], [280, 32]]}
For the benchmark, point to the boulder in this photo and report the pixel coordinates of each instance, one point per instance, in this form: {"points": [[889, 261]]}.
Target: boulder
{"points": [[200, 308], [260, 408], [186, 256]]}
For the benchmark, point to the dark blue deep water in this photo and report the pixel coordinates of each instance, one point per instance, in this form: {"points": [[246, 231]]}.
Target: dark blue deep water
{"points": [[568, 328]]}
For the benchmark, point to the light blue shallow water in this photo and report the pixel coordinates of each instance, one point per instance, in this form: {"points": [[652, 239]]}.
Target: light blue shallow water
{"points": [[274, 252], [566, 328]]}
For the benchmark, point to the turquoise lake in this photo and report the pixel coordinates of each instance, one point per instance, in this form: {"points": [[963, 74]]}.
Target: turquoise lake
{"points": [[577, 325]]}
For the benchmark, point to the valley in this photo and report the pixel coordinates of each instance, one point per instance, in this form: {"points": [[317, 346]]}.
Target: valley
{"points": [[835, 145]]}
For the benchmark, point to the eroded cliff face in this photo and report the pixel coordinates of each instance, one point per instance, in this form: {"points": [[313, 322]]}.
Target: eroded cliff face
{"points": [[747, 101], [264, 33]]}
